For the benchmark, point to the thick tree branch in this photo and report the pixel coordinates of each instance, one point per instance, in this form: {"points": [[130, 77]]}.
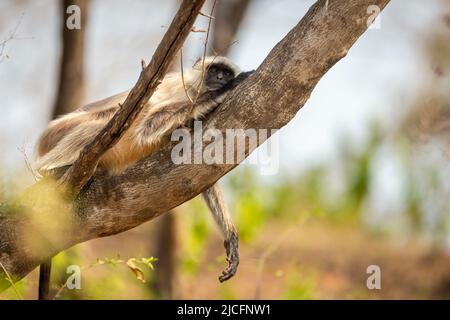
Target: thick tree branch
{"points": [[270, 98]]}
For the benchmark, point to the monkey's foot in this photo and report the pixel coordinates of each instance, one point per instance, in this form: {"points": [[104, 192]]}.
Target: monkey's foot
{"points": [[231, 246]]}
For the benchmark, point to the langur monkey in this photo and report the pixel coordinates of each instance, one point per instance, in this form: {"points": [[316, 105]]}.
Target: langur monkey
{"points": [[179, 99]]}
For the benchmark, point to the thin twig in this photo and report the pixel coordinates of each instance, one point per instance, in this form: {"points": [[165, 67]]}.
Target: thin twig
{"points": [[99, 263], [182, 76], [206, 15], [205, 50], [194, 29], [12, 36], [60, 290], [216, 54], [27, 163], [8, 277]]}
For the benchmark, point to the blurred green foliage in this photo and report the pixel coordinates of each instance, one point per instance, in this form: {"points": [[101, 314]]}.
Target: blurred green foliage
{"points": [[194, 233], [301, 285]]}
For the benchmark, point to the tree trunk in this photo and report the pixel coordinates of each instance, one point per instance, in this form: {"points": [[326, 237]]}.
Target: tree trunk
{"points": [[71, 86], [166, 274]]}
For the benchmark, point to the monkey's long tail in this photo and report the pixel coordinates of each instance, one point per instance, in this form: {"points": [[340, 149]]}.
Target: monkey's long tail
{"points": [[45, 271]]}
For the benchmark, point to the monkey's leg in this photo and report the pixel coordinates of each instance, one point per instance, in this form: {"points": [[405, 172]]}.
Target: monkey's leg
{"points": [[214, 199]]}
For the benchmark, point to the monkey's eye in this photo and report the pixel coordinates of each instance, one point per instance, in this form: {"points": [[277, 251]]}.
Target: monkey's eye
{"points": [[213, 69]]}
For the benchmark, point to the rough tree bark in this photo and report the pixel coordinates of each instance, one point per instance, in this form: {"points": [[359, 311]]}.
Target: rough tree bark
{"points": [[269, 98]]}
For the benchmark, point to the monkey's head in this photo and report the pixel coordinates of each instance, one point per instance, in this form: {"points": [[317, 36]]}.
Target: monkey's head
{"points": [[218, 71]]}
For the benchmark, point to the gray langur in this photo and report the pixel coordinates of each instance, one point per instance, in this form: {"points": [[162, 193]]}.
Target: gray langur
{"points": [[179, 99]]}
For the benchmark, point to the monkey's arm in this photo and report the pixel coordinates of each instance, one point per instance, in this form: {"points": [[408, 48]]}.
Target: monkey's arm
{"points": [[216, 204], [159, 122]]}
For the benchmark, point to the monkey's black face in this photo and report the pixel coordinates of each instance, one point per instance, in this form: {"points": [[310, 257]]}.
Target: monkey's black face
{"points": [[217, 76]]}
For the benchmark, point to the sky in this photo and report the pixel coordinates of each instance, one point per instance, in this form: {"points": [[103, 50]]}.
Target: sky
{"points": [[375, 81]]}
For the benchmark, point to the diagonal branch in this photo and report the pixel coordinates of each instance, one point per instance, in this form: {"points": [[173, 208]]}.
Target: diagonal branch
{"points": [[268, 99], [151, 76]]}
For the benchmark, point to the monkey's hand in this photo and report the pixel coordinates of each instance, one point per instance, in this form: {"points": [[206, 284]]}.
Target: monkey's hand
{"points": [[236, 81], [231, 247]]}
